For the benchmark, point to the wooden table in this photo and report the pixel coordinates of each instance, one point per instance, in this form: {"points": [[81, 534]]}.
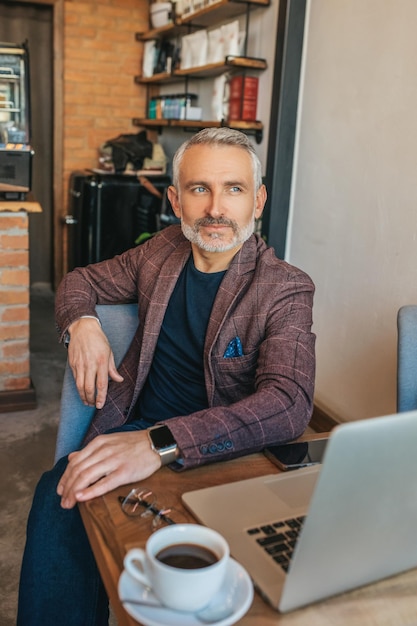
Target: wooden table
{"points": [[392, 602]]}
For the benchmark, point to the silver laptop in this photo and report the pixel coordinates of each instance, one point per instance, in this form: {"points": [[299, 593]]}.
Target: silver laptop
{"points": [[356, 515]]}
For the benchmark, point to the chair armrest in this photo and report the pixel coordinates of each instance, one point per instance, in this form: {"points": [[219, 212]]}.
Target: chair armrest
{"points": [[119, 323], [407, 358]]}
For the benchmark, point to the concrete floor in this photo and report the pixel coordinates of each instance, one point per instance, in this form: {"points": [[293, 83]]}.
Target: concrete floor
{"points": [[27, 447], [27, 443]]}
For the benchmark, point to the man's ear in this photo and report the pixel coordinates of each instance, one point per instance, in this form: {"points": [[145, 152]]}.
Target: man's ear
{"points": [[261, 196], [173, 198]]}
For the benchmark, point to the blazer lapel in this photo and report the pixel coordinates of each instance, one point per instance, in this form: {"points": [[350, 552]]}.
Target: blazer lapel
{"points": [[164, 285], [237, 276]]}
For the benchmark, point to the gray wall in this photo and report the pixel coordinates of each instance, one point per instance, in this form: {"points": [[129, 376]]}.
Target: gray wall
{"points": [[353, 224]]}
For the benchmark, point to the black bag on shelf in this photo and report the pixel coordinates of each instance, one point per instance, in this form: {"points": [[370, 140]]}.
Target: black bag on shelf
{"points": [[130, 148]]}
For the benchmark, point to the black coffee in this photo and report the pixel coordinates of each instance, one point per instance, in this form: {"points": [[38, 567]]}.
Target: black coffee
{"points": [[187, 556]]}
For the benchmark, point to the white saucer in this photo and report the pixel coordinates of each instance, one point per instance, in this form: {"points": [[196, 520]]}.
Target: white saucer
{"points": [[236, 575]]}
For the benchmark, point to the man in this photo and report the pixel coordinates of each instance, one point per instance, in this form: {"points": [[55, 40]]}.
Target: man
{"points": [[222, 363]]}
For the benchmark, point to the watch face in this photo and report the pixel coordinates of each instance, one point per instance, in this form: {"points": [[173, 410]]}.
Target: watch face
{"points": [[162, 437]]}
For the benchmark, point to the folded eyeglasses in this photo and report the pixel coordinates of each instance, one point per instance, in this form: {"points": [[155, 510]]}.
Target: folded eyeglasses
{"points": [[142, 503]]}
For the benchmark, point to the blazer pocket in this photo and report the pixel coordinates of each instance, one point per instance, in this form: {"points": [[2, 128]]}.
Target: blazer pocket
{"points": [[236, 375]]}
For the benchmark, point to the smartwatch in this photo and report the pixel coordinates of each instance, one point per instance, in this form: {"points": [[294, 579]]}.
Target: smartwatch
{"points": [[163, 442]]}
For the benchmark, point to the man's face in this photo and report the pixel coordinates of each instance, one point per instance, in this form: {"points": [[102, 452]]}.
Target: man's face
{"points": [[216, 199]]}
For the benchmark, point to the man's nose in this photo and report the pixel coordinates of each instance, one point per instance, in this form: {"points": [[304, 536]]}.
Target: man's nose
{"points": [[214, 206]]}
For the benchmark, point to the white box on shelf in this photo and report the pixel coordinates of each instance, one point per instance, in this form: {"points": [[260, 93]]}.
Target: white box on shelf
{"points": [[193, 113]]}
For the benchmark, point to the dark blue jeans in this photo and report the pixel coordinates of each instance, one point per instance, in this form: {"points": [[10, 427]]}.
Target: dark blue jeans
{"points": [[59, 581]]}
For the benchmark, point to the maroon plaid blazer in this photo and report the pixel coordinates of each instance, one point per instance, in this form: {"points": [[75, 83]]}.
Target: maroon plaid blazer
{"points": [[262, 397]]}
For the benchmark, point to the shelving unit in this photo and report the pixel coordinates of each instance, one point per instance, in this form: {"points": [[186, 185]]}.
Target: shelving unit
{"points": [[209, 15]]}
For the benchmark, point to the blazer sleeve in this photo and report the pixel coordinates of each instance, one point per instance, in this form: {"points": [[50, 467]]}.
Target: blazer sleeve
{"points": [[108, 282]]}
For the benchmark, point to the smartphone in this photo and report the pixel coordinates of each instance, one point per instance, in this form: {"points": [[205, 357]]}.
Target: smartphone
{"points": [[290, 456]]}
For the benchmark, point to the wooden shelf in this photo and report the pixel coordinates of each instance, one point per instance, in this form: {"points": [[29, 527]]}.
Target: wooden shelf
{"points": [[214, 69], [151, 123], [205, 71], [250, 128], [208, 15], [220, 11], [156, 79]]}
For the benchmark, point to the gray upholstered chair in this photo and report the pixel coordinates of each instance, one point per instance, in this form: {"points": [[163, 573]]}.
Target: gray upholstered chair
{"points": [[407, 358], [119, 322]]}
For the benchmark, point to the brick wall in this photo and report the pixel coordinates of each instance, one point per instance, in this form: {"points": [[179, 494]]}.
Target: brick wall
{"points": [[101, 58], [14, 302]]}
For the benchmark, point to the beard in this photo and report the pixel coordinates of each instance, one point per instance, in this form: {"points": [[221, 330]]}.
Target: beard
{"points": [[215, 242]]}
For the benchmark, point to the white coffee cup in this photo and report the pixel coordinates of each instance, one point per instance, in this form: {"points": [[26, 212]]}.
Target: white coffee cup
{"points": [[181, 585]]}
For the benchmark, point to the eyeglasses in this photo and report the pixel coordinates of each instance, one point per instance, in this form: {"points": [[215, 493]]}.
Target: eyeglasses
{"points": [[142, 503]]}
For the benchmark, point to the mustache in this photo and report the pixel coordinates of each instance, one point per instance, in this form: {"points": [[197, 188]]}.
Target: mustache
{"points": [[214, 221]]}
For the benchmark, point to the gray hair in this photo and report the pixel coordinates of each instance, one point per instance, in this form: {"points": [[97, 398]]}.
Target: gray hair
{"points": [[218, 137]]}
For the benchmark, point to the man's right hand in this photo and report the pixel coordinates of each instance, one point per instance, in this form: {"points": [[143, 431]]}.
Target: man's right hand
{"points": [[91, 360], [107, 462]]}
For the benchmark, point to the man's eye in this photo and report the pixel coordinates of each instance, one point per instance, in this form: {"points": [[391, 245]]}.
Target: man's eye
{"points": [[235, 189], [199, 189]]}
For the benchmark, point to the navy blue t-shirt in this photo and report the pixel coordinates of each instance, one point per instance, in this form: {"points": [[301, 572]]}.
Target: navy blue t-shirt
{"points": [[175, 384]]}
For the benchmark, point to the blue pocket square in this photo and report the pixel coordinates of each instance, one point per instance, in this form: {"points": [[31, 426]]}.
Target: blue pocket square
{"points": [[233, 349]]}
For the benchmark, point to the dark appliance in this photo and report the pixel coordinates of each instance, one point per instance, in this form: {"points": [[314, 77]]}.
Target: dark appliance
{"points": [[108, 212], [15, 151]]}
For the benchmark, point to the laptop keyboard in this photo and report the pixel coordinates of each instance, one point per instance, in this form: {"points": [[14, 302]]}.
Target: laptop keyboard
{"points": [[278, 539]]}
